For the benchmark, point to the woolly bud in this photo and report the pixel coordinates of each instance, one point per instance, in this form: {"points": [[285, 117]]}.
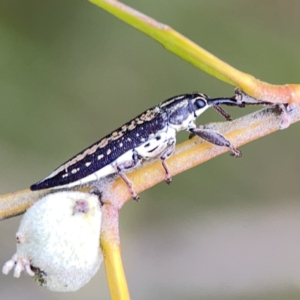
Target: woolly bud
{"points": [[58, 241]]}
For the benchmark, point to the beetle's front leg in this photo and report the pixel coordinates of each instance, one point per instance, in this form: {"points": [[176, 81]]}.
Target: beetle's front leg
{"points": [[126, 166], [215, 138], [221, 111], [165, 154]]}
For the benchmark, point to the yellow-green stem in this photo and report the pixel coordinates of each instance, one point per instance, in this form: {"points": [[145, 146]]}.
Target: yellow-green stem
{"points": [[110, 245]]}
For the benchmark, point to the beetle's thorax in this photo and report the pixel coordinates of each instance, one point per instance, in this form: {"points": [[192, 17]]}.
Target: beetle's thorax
{"points": [[182, 113]]}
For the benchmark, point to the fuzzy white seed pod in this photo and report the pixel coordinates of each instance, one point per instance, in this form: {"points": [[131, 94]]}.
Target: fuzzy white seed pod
{"points": [[58, 241]]}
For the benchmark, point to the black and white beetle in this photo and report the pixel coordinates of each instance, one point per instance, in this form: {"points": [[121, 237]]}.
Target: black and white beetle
{"points": [[151, 134]]}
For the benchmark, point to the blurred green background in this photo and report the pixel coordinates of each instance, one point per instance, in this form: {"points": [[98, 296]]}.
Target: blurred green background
{"points": [[71, 73]]}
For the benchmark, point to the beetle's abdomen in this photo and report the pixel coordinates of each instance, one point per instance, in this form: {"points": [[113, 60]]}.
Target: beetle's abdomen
{"points": [[105, 152]]}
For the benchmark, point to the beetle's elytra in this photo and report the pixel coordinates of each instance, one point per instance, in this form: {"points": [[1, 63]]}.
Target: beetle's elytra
{"points": [[151, 134]]}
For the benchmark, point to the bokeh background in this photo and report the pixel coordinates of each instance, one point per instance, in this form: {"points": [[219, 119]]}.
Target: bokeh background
{"points": [[71, 73]]}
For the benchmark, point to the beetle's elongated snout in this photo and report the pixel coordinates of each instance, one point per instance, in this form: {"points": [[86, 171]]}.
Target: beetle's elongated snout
{"points": [[225, 101], [216, 102]]}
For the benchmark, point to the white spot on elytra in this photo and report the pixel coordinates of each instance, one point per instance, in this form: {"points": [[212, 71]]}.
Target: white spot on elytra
{"points": [[87, 164], [129, 139], [108, 152], [100, 156], [121, 144], [65, 175]]}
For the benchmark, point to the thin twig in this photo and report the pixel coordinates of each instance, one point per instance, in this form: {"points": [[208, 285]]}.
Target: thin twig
{"points": [[188, 154]]}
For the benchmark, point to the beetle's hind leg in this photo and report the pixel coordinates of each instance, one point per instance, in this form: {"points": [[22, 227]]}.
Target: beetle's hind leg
{"points": [[215, 138], [126, 166]]}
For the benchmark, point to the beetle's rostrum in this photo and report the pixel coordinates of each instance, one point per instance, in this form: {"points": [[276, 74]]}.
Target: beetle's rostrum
{"points": [[151, 134]]}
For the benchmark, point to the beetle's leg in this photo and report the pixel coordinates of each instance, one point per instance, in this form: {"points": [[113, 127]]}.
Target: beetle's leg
{"points": [[284, 108], [135, 196], [222, 112], [165, 154], [215, 138], [128, 165]]}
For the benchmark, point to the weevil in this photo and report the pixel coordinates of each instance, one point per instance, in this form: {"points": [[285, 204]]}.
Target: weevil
{"points": [[151, 134]]}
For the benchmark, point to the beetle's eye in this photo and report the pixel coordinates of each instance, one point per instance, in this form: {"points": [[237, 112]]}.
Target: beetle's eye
{"points": [[199, 104]]}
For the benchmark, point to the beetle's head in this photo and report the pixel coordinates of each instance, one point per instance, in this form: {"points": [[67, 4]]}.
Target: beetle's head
{"points": [[201, 102]]}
